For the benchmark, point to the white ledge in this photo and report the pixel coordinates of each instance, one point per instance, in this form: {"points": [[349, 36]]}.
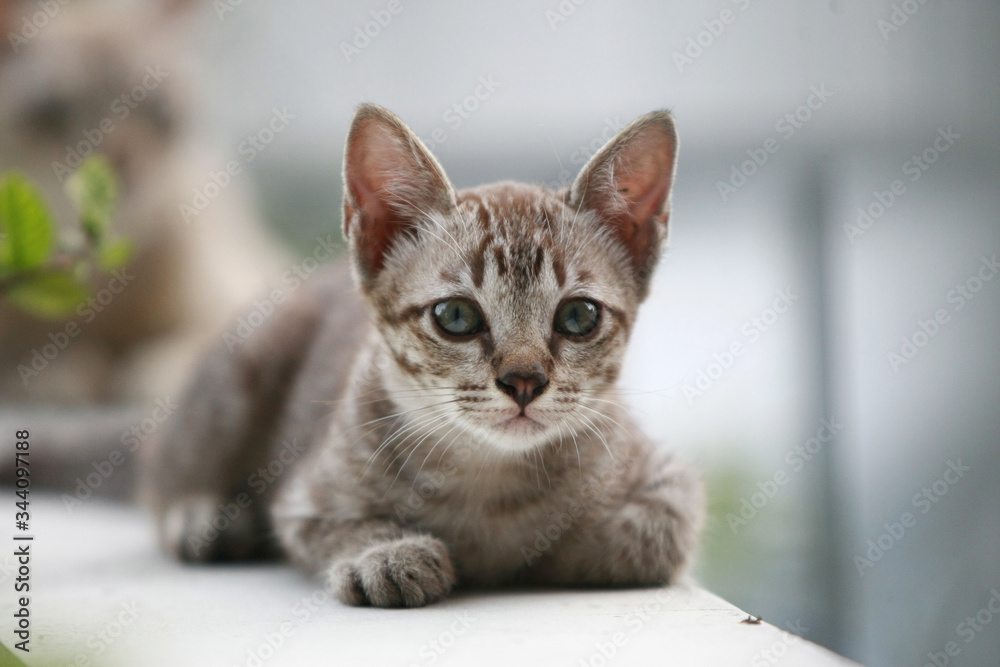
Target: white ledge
{"points": [[98, 570]]}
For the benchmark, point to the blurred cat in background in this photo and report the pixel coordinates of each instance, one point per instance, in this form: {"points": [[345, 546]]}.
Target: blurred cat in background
{"points": [[113, 77]]}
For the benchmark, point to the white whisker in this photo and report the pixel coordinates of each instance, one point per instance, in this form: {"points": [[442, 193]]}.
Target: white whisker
{"points": [[409, 428]]}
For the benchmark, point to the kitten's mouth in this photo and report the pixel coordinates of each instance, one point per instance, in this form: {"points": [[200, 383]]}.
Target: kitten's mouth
{"points": [[520, 424]]}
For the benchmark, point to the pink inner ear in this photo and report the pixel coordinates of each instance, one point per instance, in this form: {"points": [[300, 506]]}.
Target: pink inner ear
{"points": [[377, 226], [374, 158], [641, 177], [368, 200], [645, 196], [391, 181]]}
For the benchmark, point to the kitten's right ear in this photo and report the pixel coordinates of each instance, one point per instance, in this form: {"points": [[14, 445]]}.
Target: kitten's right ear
{"points": [[391, 181]]}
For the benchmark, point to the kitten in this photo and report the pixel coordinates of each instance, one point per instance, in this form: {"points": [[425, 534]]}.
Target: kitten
{"points": [[115, 78], [475, 436]]}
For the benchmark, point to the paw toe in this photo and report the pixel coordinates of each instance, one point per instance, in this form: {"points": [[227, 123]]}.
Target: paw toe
{"points": [[411, 572]]}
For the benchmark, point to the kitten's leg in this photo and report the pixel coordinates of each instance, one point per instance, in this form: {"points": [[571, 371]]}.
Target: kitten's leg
{"points": [[205, 528], [373, 562], [199, 472], [646, 539], [196, 472]]}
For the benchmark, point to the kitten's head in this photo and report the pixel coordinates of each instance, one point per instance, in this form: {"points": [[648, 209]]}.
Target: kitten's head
{"points": [[506, 307]]}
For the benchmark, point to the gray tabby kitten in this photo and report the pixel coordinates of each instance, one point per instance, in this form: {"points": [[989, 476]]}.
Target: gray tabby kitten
{"points": [[475, 436]]}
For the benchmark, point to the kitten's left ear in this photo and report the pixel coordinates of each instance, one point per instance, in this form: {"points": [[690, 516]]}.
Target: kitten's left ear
{"points": [[628, 183], [392, 182]]}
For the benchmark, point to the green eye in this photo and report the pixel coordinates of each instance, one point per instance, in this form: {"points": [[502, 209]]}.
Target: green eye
{"points": [[577, 317], [458, 317]]}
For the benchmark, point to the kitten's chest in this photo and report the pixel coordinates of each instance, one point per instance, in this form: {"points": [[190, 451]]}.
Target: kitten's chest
{"points": [[493, 530]]}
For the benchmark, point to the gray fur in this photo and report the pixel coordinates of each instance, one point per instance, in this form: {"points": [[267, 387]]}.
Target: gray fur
{"points": [[412, 471]]}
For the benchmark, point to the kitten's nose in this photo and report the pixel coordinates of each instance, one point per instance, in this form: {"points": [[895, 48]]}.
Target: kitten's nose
{"points": [[523, 387]]}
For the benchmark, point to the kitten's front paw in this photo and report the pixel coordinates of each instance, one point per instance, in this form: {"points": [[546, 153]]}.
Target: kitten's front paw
{"points": [[407, 572]]}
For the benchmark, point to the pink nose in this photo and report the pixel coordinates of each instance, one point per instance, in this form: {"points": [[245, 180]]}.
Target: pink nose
{"points": [[523, 387]]}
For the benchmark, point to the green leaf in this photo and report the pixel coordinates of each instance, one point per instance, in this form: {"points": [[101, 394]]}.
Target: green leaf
{"points": [[51, 295], [26, 232], [93, 189], [114, 254]]}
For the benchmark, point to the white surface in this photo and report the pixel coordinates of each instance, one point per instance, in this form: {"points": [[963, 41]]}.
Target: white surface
{"points": [[98, 569]]}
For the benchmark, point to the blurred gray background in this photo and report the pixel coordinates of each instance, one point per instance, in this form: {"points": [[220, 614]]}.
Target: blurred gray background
{"points": [[851, 448]]}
